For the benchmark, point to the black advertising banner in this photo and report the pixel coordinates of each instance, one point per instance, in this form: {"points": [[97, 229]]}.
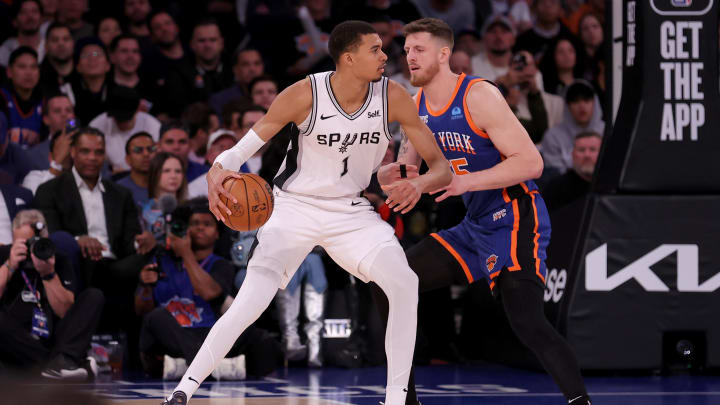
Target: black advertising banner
{"points": [[648, 268], [667, 131]]}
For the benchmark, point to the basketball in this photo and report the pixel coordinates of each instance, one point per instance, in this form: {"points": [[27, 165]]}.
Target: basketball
{"points": [[254, 202]]}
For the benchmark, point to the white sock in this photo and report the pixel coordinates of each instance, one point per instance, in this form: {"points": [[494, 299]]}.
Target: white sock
{"points": [[253, 298], [388, 268]]}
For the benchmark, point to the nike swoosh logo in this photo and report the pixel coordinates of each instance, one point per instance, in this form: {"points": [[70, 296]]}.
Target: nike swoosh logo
{"points": [[193, 380], [322, 117], [355, 203]]}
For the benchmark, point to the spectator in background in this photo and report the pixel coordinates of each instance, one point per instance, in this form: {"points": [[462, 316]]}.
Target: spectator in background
{"points": [[70, 316], [201, 121], [60, 161], [125, 58], [460, 63], [248, 65], [583, 114], [15, 199], [546, 30], [403, 78], [88, 89], [219, 141], [103, 219], [120, 122], [383, 25], [175, 139], [591, 34], [458, 14], [181, 300], [28, 16], [400, 12], [58, 114], [596, 7], [58, 65], [166, 177], [139, 151], [263, 90], [108, 29], [70, 13], [231, 114], [469, 42], [248, 117], [517, 11], [574, 183], [15, 163], [22, 98], [560, 66], [49, 10], [167, 52], [137, 13], [196, 80], [522, 87]]}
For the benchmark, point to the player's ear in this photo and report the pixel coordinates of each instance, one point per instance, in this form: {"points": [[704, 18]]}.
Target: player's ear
{"points": [[347, 57]]}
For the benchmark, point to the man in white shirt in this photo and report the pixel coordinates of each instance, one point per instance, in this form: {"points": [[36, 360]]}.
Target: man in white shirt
{"points": [[12, 200], [120, 122], [103, 219]]}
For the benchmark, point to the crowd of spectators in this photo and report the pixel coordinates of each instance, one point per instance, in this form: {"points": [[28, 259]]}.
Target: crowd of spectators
{"points": [[111, 112]]}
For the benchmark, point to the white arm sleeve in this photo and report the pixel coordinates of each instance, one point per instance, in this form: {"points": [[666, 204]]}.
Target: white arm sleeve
{"points": [[234, 157]]}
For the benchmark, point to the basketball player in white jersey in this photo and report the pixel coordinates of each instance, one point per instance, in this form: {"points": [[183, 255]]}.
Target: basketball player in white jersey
{"points": [[343, 120]]}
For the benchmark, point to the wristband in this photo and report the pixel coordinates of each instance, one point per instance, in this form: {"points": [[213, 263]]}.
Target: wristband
{"points": [[243, 150], [403, 171]]}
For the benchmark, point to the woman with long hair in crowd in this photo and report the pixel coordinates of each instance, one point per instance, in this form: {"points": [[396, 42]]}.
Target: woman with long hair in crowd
{"points": [[167, 177]]}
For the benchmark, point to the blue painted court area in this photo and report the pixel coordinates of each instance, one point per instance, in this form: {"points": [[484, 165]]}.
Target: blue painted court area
{"points": [[447, 385]]}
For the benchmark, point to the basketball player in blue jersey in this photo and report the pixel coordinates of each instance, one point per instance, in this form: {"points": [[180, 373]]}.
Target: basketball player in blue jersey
{"points": [[503, 237], [342, 117]]}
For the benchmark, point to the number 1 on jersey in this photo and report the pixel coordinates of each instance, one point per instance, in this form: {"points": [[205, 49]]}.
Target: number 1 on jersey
{"points": [[345, 163]]}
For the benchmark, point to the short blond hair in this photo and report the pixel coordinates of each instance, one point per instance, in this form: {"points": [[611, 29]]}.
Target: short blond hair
{"points": [[30, 217]]}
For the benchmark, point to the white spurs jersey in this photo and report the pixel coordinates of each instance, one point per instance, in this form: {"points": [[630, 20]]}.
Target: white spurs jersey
{"points": [[336, 153]]}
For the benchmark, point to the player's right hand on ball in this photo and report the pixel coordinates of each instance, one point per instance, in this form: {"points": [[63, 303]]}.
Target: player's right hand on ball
{"points": [[215, 178], [392, 172]]}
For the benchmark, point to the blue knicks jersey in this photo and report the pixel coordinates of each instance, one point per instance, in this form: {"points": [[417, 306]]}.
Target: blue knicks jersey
{"points": [[468, 148]]}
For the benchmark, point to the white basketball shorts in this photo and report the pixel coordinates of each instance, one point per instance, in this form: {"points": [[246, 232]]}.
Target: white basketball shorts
{"points": [[347, 228]]}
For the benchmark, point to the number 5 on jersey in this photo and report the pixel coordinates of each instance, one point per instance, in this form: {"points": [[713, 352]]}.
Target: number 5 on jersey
{"points": [[457, 166]]}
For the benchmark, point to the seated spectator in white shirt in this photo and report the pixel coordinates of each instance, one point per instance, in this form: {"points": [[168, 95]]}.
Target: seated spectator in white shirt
{"points": [[120, 122]]}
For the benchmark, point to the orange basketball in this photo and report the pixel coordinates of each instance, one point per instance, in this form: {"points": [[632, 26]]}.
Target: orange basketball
{"points": [[254, 202]]}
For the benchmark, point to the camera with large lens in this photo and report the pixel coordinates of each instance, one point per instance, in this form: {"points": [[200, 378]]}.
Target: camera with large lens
{"points": [[42, 248]]}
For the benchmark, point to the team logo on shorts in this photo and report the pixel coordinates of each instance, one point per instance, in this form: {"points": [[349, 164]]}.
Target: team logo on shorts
{"points": [[499, 215], [490, 262]]}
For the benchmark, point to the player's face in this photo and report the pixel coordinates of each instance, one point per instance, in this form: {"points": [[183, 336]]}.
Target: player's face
{"points": [[369, 58], [171, 176], [423, 57]]}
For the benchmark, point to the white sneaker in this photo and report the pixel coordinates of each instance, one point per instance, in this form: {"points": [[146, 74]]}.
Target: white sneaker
{"points": [[174, 368], [231, 369]]}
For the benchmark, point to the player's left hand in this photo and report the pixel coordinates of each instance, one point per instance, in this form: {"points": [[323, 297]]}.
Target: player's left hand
{"points": [[402, 195], [457, 186]]}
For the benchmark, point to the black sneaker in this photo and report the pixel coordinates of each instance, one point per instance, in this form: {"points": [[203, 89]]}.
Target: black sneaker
{"points": [[178, 398], [63, 368]]}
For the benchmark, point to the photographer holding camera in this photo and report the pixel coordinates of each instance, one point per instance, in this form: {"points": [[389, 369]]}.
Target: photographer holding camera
{"points": [[183, 293], [43, 322]]}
